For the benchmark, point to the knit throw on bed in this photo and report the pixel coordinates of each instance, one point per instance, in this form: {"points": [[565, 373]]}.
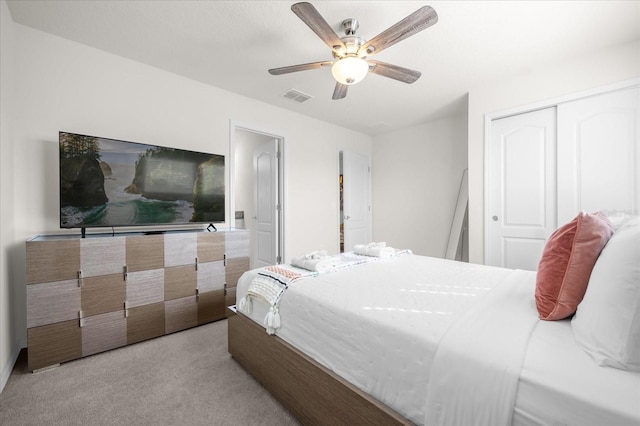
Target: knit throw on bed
{"points": [[269, 285]]}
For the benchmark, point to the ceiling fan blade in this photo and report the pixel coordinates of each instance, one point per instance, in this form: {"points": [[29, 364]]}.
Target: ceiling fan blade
{"points": [[340, 91], [419, 20], [301, 67], [316, 22], [393, 71]]}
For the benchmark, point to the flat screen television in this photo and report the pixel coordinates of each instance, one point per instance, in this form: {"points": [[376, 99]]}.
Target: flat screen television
{"points": [[113, 183]]}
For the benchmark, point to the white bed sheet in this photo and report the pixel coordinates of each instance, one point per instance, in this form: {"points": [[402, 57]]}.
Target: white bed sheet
{"points": [[561, 385]]}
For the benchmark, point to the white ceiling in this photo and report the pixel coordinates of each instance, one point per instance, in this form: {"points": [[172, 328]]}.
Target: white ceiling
{"points": [[232, 44]]}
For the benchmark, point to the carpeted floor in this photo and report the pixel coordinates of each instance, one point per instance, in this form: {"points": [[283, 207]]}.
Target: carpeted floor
{"points": [[186, 378]]}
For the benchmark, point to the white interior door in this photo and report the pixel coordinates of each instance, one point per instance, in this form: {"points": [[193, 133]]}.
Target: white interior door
{"points": [[598, 148], [356, 195], [521, 184], [265, 229]]}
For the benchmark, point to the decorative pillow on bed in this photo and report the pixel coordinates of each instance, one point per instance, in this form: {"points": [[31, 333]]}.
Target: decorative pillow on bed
{"points": [[566, 264], [607, 323]]}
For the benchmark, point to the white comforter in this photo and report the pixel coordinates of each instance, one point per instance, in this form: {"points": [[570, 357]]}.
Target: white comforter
{"points": [[440, 342], [378, 325]]}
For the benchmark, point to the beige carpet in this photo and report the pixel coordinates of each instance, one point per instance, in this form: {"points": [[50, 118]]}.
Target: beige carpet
{"points": [[186, 378]]}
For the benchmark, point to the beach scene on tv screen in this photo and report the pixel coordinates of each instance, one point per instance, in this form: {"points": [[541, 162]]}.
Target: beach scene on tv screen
{"points": [[107, 182]]}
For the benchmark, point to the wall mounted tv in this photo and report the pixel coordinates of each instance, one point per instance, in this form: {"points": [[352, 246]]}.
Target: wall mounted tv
{"points": [[108, 183]]}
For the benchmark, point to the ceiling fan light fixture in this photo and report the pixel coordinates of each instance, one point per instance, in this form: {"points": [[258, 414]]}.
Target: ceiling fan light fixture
{"points": [[350, 70], [350, 51]]}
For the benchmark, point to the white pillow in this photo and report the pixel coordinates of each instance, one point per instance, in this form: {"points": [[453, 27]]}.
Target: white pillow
{"points": [[607, 322], [617, 218]]}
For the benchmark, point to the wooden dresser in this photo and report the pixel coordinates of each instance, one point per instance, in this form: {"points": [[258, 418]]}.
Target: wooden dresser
{"points": [[88, 295]]}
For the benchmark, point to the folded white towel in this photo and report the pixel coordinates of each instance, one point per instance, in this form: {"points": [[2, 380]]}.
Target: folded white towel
{"points": [[320, 254], [374, 250], [317, 261]]}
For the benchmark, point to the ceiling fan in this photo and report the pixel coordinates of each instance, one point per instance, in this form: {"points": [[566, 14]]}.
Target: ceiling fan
{"points": [[351, 52]]}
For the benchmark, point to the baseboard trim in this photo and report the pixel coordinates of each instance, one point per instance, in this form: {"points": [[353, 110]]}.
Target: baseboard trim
{"points": [[11, 362]]}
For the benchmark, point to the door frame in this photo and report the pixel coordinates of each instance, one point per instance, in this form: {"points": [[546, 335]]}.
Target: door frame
{"points": [[534, 106], [282, 181]]}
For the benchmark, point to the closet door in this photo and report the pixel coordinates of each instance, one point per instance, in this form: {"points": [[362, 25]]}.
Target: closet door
{"points": [[598, 150], [521, 167]]}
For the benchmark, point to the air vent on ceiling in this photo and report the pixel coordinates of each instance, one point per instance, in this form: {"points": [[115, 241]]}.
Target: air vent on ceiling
{"points": [[379, 126], [296, 95]]}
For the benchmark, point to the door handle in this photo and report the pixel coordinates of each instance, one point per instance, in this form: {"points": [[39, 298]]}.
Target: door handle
{"points": [[347, 217], [495, 218]]}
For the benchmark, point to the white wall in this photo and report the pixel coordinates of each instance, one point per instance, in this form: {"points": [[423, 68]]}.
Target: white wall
{"points": [[8, 351], [579, 74], [416, 174], [62, 85]]}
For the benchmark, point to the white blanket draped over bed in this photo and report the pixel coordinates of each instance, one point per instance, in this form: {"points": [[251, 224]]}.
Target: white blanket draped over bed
{"points": [[480, 357]]}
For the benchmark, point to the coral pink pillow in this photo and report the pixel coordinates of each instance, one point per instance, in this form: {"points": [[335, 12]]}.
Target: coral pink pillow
{"points": [[566, 264]]}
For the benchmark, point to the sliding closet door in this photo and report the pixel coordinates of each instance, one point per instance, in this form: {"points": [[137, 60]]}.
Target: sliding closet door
{"points": [[544, 167], [521, 168], [598, 150]]}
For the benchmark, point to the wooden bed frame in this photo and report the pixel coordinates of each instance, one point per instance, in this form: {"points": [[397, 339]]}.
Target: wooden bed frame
{"points": [[314, 394]]}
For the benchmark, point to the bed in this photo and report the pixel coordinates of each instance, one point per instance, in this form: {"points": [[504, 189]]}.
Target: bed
{"points": [[409, 339]]}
